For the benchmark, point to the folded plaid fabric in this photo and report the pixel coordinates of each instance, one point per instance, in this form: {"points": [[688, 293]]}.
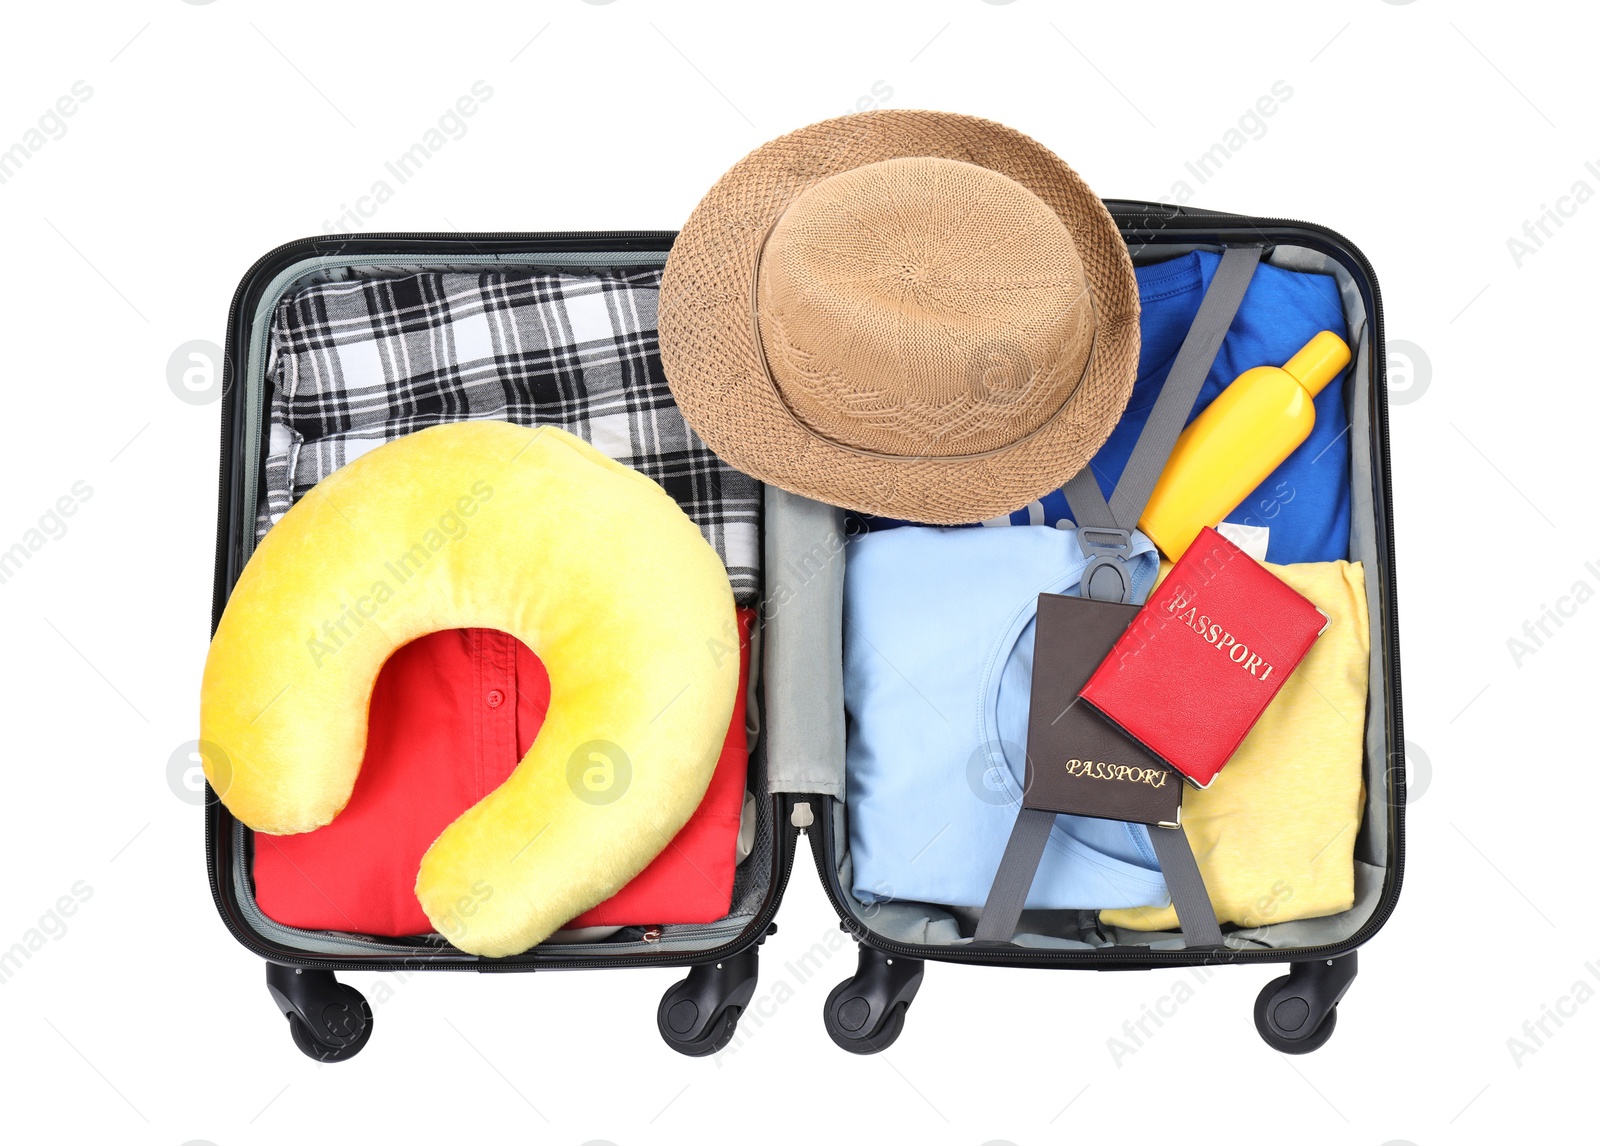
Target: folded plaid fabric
{"points": [[359, 363]]}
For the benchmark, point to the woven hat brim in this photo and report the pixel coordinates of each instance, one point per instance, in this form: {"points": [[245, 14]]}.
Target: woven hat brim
{"points": [[714, 366]]}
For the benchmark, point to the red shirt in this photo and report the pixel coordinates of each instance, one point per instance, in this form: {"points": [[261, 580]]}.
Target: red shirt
{"points": [[451, 716]]}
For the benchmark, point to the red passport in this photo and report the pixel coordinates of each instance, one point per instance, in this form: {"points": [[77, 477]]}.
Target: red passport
{"points": [[1204, 657]]}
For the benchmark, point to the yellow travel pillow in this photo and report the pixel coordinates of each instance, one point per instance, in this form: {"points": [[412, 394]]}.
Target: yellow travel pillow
{"points": [[485, 525]]}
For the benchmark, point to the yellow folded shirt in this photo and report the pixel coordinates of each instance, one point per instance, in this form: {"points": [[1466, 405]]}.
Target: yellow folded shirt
{"points": [[1275, 833]]}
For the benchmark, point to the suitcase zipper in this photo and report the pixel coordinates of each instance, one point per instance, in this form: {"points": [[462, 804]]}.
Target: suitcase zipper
{"points": [[802, 817], [413, 959], [1002, 956]]}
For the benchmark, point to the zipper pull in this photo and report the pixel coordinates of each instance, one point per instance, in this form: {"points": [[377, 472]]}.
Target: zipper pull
{"points": [[801, 816], [651, 935]]}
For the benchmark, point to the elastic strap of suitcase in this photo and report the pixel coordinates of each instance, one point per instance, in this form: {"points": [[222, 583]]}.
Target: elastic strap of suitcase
{"points": [[1105, 536]]}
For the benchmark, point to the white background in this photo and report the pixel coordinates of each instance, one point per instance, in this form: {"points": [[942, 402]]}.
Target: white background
{"points": [[1428, 133]]}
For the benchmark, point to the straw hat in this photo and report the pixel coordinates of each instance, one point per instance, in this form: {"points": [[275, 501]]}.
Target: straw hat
{"points": [[908, 313]]}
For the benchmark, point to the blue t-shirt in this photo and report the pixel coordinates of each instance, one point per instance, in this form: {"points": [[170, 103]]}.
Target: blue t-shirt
{"points": [[1305, 502], [938, 667]]}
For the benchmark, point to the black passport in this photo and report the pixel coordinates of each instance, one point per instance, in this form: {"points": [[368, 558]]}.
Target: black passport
{"points": [[1078, 761]]}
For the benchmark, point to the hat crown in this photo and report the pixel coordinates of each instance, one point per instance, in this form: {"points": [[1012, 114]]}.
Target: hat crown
{"points": [[923, 307]]}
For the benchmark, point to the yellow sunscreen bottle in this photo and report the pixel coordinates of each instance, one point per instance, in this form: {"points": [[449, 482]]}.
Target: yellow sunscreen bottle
{"points": [[1245, 434]]}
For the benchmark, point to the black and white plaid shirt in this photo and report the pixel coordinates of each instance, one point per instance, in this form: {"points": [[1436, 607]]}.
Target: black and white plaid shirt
{"points": [[359, 363]]}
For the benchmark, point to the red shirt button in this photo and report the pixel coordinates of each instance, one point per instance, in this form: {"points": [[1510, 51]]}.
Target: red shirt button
{"points": [[495, 697]]}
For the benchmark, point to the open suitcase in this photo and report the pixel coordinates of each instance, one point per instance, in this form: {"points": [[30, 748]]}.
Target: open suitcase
{"points": [[796, 774]]}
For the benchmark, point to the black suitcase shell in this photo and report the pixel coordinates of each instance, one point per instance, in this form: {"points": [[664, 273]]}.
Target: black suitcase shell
{"points": [[330, 1021]]}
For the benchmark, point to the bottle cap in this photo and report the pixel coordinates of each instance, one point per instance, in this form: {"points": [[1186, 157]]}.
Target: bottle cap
{"points": [[1318, 362]]}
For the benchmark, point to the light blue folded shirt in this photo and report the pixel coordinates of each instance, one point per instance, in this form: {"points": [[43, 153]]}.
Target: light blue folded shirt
{"points": [[938, 668]]}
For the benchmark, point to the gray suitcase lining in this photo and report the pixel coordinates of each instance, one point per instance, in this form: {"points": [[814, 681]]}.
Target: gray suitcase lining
{"points": [[806, 551], [753, 877]]}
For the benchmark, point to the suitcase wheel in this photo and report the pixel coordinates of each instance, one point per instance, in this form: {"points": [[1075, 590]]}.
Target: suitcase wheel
{"points": [[329, 1021], [1296, 1013], [866, 1013], [698, 1015]]}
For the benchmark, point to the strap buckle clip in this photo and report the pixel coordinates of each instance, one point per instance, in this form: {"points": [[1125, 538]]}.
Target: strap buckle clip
{"points": [[1106, 577]]}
